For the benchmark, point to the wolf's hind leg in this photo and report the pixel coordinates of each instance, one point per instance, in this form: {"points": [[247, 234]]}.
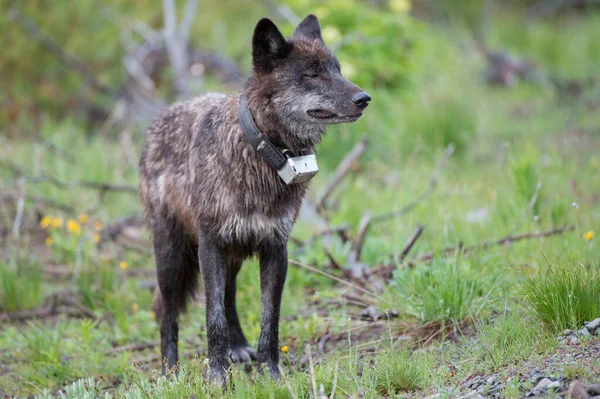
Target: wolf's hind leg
{"points": [[177, 275], [241, 351]]}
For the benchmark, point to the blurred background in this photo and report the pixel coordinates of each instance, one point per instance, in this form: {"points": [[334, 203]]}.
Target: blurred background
{"points": [[484, 123]]}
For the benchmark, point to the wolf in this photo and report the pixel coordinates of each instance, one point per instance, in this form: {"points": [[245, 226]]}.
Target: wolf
{"points": [[211, 200]]}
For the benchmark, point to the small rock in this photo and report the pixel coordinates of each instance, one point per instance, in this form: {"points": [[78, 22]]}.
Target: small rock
{"points": [[593, 325], [567, 332], [593, 389], [472, 395], [577, 391], [584, 332], [573, 340], [546, 383]]}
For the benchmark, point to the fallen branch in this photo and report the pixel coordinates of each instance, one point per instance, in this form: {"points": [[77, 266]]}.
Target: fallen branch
{"points": [[52, 307], [341, 171], [131, 348], [411, 242], [102, 187], [38, 200], [338, 279], [357, 269], [114, 228], [386, 271], [433, 180]]}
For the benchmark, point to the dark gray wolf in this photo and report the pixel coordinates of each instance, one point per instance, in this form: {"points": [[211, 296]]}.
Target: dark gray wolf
{"points": [[212, 201]]}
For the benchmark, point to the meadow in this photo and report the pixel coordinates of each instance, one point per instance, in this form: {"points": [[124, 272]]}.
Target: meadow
{"points": [[503, 179]]}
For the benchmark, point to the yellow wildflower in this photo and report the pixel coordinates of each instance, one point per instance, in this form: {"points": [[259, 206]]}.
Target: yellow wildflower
{"points": [[595, 163], [73, 226], [49, 241], [96, 238], [56, 222], [135, 307], [284, 349], [400, 6], [123, 265], [98, 226], [45, 222], [152, 315], [589, 235], [83, 218]]}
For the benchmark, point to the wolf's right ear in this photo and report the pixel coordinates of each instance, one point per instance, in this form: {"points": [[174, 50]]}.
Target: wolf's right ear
{"points": [[268, 46]]}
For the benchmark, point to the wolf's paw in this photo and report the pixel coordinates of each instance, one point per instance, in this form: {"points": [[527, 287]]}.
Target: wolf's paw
{"points": [[217, 376], [243, 354]]}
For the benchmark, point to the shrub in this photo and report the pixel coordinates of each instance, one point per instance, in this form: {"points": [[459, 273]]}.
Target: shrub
{"points": [[397, 371], [446, 290], [563, 295]]}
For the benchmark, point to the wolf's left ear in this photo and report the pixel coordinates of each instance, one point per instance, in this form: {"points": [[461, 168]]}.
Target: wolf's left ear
{"points": [[268, 46], [309, 28]]}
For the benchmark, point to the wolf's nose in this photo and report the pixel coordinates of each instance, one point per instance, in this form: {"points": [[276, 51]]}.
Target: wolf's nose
{"points": [[361, 99]]}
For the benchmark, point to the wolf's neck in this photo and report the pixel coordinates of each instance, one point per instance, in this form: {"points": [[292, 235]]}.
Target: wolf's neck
{"points": [[295, 135]]}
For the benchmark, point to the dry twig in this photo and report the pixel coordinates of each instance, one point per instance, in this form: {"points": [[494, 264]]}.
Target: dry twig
{"points": [[433, 179], [341, 171]]}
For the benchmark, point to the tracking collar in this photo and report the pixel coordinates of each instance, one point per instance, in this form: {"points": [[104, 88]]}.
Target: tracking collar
{"points": [[292, 170]]}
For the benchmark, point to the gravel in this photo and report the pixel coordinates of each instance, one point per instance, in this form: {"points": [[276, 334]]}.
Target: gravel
{"points": [[546, 375]]}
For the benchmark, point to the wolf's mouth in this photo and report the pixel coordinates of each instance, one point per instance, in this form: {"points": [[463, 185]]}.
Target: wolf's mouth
{"points": [[321, 113], [324, 114]]}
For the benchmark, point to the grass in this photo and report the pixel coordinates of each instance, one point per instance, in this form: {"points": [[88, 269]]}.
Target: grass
{"points": [[447, 290], [563, 295], [508, 141]]}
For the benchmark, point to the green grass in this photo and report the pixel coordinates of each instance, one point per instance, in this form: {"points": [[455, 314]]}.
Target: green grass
{"points": [[447, 290], [508, 142], [563, 295]]}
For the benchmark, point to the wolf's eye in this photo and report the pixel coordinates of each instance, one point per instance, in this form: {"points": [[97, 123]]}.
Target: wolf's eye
{"points": [[311, 75]]}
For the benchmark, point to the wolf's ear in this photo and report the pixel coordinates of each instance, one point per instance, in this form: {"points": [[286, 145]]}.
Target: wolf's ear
{"points": [[268, 46], [309, 28]]}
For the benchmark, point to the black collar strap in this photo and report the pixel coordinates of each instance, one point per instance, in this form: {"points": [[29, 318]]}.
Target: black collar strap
{"points": [[261, 143]]}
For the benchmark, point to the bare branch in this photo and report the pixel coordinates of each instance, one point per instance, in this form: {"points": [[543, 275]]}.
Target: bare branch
{"points": [[433, 179], [415, 236], [338, 279], [342, 170], [39, 200], [102, 187]]}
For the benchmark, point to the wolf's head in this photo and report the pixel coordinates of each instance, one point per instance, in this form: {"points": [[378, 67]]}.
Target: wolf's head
{"points": [[300, 78]]}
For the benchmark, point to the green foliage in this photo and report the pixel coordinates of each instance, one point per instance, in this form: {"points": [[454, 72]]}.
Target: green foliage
{"points": [[373, 41], [434, 123], [396, 371], [447, 289], [526, 176], [563, 295], [17, 278], [510, 339]]}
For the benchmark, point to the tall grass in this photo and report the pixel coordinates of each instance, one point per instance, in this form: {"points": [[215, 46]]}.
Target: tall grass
{"points": [[447, 290], [563, 295]]}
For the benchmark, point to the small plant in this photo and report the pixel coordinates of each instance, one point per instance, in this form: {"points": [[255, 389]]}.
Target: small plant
{"points": [[397, 371], [446, 290], [20, 285], [526, 176], [563, 295], [509, 338]]}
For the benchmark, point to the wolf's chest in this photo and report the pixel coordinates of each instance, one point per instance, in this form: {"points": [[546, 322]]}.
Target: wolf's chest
{"points": [[255, 227]]}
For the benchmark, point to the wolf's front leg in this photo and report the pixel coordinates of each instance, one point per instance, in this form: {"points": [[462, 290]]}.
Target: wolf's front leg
{"points": [[213, 266], [273, 270]]}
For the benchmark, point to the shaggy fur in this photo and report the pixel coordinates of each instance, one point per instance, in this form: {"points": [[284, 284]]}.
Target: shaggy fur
{"points": [[211, 200]]}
